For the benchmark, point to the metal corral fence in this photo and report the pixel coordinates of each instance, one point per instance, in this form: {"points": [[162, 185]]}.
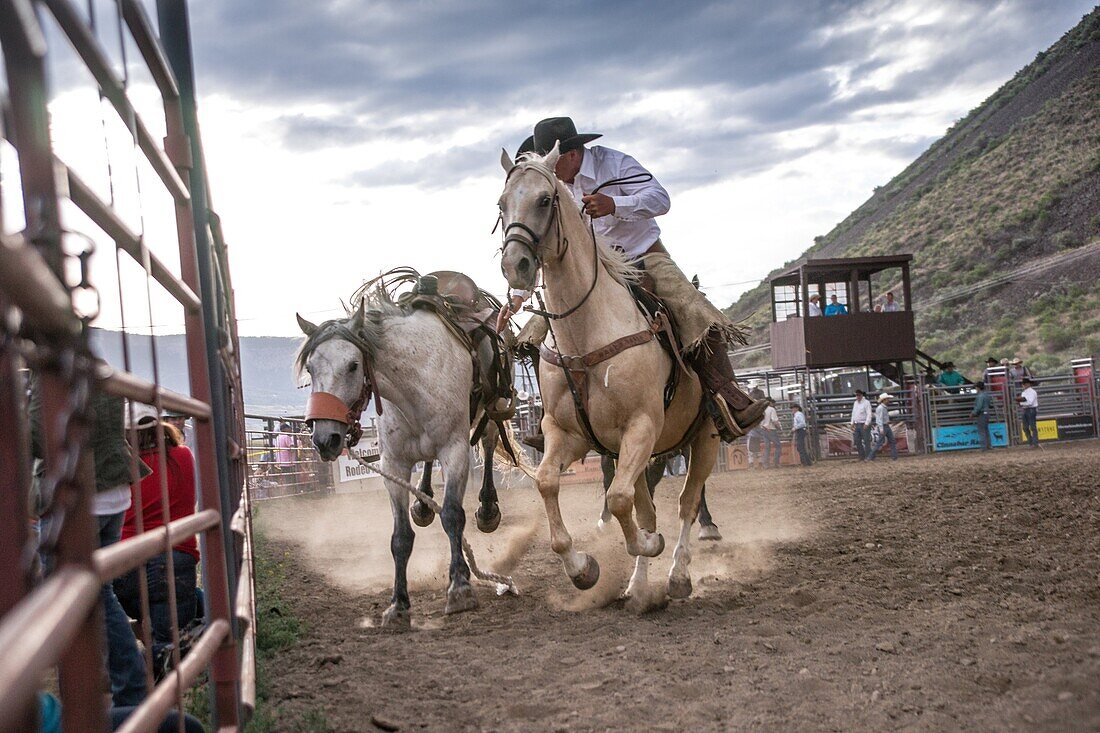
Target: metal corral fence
{"points": [[282, 460], [57, 621]]}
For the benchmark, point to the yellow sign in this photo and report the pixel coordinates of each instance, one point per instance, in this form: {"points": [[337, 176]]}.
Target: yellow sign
{"points": [[1048, 430]]}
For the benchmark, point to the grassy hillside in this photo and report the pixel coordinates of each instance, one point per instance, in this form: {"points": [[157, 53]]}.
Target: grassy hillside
{"points": [[1015, 181]]}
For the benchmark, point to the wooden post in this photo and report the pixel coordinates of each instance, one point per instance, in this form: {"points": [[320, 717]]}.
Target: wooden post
{"points": [[803, 292], [906, 287], [853, 292]]}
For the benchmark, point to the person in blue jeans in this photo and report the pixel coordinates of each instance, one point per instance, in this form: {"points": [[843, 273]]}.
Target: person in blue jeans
{"points": [[1029, 412], [112, 456], [884, 433], [861, 424], [982, 405]]}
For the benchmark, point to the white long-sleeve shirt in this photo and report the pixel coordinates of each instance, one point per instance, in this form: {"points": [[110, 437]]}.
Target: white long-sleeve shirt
{"points": [[1030, 398], [631, 226], [861, 412], [798, 421]]}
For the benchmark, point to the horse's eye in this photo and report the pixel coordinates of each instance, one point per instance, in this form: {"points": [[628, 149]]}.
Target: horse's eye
{"points": [[354, 367], [544, 201]]}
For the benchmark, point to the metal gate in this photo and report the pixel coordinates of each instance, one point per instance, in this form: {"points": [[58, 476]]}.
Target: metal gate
{"points": [[58, 621]]}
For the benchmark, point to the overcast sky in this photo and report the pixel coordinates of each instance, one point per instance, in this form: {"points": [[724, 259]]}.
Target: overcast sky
{"points": [[345, 138]]}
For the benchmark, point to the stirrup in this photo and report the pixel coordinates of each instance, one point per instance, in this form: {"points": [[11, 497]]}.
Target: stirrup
{"points": [[728, 429]]}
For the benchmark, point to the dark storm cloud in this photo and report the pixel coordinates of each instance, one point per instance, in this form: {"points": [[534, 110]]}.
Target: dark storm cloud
{"points": [[398, 71]]}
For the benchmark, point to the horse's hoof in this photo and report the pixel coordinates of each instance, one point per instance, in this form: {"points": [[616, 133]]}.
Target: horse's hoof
{"points": [[709, 532], [603, 524], [588, 576], [657, 540], [422, 516], [460, 599], [679, 587], [488, 523], [396, 618]]}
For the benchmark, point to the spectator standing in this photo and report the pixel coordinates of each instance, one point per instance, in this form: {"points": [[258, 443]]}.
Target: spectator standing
{"points": [[769, 426], [1017, 371], [950, 379], [861, 424], [1029, 404], [798, 432], [883, 432], [891, 305], [178, 472], [835, 308], [982, 405], [814, 307], [284, 456], [990, 363], [756, 436], [112, 458]]}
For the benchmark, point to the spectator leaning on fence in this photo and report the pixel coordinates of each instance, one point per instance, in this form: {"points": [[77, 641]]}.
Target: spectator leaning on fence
{"points": [[179, 474], [949, 378], [1029, 409], [773, 446], [1017, 371], [982, 404], [798, 433], [861, 423], [835, 308], [883, 432]]}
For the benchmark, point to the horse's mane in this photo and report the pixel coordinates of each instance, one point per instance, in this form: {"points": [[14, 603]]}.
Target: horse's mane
{"points": [[614, 260], [377, 305]]}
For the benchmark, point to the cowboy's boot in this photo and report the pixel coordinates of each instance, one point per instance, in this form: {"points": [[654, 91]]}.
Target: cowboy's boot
{"points": [[740, 411], [535, 440]]}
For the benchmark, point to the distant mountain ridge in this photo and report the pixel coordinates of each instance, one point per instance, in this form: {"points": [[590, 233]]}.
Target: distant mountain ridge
{"points": [[266, 367], [1015, 181]]}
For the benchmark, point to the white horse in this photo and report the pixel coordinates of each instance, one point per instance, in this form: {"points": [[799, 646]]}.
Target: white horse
{"points": [[423, 377]]}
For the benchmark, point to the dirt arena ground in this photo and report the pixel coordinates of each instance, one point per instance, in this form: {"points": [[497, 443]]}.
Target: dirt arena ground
{"points": [[950, 592]]}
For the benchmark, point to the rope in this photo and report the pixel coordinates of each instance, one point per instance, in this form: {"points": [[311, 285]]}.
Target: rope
{"points": [[504, 583]]}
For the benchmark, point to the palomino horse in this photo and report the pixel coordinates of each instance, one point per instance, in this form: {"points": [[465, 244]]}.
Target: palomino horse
{"points": [[617, 372], [423, 377]]}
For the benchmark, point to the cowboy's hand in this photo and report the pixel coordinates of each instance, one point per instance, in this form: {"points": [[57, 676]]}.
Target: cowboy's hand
{"points": [[598, 204], [502, 317]]}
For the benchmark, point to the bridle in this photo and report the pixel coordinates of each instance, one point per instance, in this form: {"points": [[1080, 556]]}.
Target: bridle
{"points": [[532, 243], [327, 406], [533, 240]]}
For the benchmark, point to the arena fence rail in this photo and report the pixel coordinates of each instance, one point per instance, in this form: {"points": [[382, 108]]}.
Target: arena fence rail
{"points": [[58, 621]]}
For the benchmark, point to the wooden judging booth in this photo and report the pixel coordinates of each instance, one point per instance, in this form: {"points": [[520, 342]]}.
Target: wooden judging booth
{"points": [[860, 336]]}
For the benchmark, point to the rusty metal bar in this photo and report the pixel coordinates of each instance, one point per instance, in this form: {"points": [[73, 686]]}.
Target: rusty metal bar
{"points": [[124, 384], [109, 221], [152, 711], [122, 557], [28, 283], [142, 31], [37, 632], [243, 606], [89, 50]]}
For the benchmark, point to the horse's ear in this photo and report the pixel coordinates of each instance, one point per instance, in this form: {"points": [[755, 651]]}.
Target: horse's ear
{"points": [[307, 327], [506, 161], [551, 158], [359, 317]]}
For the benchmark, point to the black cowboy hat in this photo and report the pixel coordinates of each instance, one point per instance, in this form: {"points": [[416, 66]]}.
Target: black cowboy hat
{"points": [[992, 361], [527, 146], [559, 130], [949, 365]]}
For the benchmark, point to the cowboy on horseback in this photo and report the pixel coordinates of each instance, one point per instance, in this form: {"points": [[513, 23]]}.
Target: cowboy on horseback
{"points": [[623, 214]]}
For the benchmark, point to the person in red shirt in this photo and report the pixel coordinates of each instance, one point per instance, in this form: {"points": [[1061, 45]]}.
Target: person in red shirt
{"points": [[178, 470]]}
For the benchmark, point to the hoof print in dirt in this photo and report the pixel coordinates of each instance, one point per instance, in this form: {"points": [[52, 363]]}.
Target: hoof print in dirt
{"points": [[460, 599], [383, 723]]}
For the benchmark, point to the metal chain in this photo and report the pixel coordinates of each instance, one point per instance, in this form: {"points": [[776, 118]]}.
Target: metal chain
{"points": [[504, 583]]}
